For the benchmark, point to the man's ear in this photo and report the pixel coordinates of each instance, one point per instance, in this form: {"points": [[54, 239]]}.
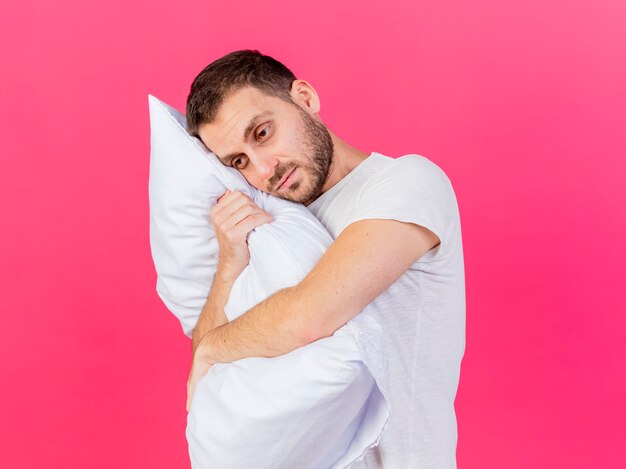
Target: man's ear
{"points": [[303, 94]]}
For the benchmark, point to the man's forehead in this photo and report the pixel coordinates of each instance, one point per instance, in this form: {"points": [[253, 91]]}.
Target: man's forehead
{"points": [[242, 105], [238, 108], [235, 121], [235, 130]]}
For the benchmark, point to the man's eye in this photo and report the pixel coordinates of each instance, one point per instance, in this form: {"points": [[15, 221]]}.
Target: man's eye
{"points": [[261, 132], [236, 162]]}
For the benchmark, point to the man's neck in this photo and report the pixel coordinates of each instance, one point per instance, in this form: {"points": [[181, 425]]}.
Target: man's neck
{"points": [[345, 159]]}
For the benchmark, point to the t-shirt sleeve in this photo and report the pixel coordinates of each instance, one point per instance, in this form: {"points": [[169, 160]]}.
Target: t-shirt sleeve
{"points": [[410, 189]]}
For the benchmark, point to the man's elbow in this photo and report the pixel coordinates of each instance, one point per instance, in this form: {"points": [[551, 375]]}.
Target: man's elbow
{"points": [[309, 333], [304, 329], [305, 325], [311, 324]]}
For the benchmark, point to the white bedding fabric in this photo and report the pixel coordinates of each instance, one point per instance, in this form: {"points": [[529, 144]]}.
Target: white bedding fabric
{"points": [[315, 407]]}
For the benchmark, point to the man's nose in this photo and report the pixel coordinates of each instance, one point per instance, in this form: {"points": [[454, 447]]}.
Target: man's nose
{"points": [[264, 165]]}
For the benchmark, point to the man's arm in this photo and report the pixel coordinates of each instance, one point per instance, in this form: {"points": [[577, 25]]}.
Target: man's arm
{"points": [[234, 215], [364, 260], [212, 314]]}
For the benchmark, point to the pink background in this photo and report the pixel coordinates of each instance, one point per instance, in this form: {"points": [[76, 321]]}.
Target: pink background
{"points": [[523, 104]]}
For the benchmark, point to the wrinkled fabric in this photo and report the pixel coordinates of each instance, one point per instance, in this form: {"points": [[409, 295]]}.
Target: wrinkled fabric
{"points": [[412, 336], [318, 406]]}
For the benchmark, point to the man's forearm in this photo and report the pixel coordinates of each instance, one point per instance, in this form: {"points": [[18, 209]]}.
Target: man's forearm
{"points": [[212, 314], [271, 328]]}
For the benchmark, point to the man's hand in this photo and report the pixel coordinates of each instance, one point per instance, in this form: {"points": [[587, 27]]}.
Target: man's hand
{"points": [[199, 367], [234, 216]]}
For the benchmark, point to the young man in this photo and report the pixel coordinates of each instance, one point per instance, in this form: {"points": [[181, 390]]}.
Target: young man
{"points": [[396, 228]]}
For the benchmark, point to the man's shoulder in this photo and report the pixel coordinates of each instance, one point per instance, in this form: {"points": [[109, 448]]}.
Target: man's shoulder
{"points": [[413, 164], [412, 172]]}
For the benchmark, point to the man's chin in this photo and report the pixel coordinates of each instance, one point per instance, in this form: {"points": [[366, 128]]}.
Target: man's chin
{"points": [[296, 198], [294, 195], [281, 195]]}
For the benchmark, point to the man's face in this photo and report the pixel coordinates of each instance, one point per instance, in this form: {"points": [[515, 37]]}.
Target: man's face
{"points": [[279, 148]]}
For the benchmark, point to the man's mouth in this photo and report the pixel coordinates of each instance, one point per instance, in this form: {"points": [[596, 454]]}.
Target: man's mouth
{"points": [[287, 177]]}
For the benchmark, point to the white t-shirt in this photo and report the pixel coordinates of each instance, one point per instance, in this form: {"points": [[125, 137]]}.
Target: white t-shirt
{"points": [[422, 314]]}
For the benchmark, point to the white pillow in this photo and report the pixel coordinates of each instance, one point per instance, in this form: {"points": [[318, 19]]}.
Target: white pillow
{"points": [[185, 181], [317, 406]]}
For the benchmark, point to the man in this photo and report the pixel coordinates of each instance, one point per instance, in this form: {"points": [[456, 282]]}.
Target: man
{"points": [[396, 228]]}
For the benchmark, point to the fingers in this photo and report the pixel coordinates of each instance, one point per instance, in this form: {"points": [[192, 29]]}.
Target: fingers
{"points": [[199, 369], [233, 217], [190, 390], [191, 387], [245, 210], [224, 205], [238, 234], [234, 208]]}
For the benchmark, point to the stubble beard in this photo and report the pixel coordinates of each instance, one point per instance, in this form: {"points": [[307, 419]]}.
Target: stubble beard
{"points": [[319, 148]]}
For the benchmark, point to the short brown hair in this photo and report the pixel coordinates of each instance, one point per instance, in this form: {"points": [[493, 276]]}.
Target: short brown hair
{"points": [[230, 73]]}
